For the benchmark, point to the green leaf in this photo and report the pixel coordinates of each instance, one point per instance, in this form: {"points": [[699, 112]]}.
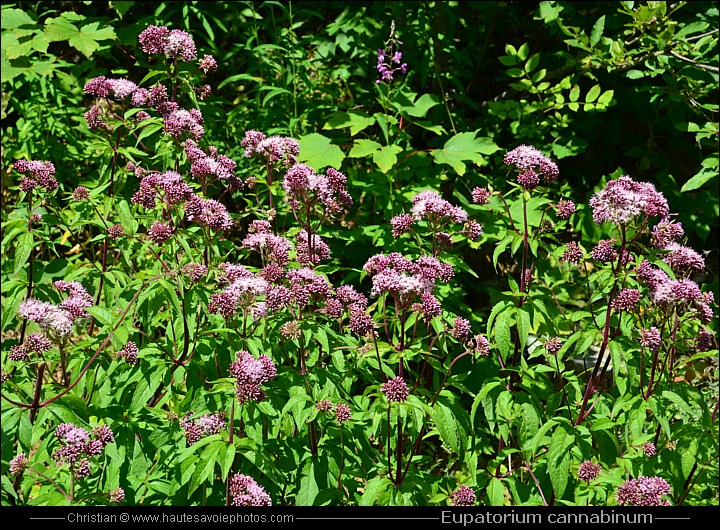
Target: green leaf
{"points": [[373, 488], [597, 30], [362, 148], [502, 332], [606, 98], [59, 29], [356, 121], [523, 325], [206, 465], [593, 94], [698, 180], [101, 314], [386, 157], [86, 41], [23, 248], [447, 426], [496, 492], [227, 462], [680, 402], [15, 18], [559, 459], [575, 93], [126, 217], [461, 147], [422, 105], [532, 62], [318, 152]]}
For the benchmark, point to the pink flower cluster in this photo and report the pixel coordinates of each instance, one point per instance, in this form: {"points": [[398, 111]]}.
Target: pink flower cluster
{"points": [[249, 374], [182, 121], [463, 496], [439, 213], [643, 491], [79, 445], [210, 165], [244, 491], [205, 425], [58, 319], [395, 390], [103, 87], [588, 471], [168, 185], [40, 174], [176, 43], [531, 164], [273, 149], [273, 249], [623, 199], [242, 290], [303, 186], [667, 292], [208, 212], [307, 254], [129, 353]]}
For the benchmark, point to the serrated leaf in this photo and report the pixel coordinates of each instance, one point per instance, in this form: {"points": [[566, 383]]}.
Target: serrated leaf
{"points": [[227, 462], [523, 325], [422, 105], [15, 18], [101, 314], [386, 157], [373, 488], [461, 147], [680, 402], [59, 29], [356, 121], [126, 217], [559, 459], [319, 152], [23, 248], [447, 426], [362, 148], [86, 40], [496, 492], [502, 337]]}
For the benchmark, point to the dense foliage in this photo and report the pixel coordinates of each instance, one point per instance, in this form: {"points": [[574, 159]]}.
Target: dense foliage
{"points": [[431, 253]]}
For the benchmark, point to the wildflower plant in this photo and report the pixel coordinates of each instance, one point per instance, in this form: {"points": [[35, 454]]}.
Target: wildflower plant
{"points": [[246, 319]]}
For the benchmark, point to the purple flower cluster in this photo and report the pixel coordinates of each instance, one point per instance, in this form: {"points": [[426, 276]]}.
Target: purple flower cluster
{"points": [[623, 199], [176, 43], [210, 165], [573, 253], [389, 63], [430, 206], [103, 87], [244, 491], [650, 338], [649, 449], [168, 186], [40, 174], [531, 164], [273, 248], [58, 319], [207, 63], [324, 405], [463, 496], [480, 345], [160, 231], [564, 209], [395, 390], [195, 271], [18, 464], [309, 255], [303, 186], [208, 212], [116, 495], [242, 290], [116, 231], [604, 252], [643, 491], [79, 445], [342, 413], [249, 374], [129, 353], [666, 232], [667, 293], [683, 259], [553, 345], [461, 329], [272, 149], [205, 425], [182, 121], [480, 196], [588, 471], [626, 300]]}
